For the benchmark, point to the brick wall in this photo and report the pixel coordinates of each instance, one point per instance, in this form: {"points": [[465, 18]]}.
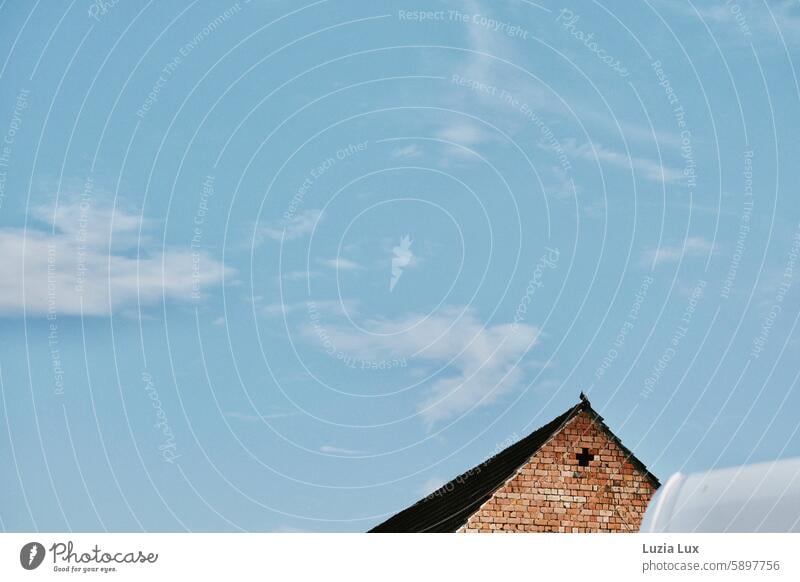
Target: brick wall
{"points": [[553, 493]]}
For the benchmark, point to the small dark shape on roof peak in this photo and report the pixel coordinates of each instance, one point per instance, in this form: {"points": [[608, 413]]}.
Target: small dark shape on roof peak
{"points": [[450, 506]]}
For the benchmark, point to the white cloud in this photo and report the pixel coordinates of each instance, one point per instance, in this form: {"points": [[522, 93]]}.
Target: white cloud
{"points": [[480, 66], [626, 129], [338, 450], [298, 225], [406, 152], [561, 185], [341, 264], [463, 136], [462, 133], [748, 19], [486, 44], [91, 257], [480, 362], [649, 169], [692, 247]]}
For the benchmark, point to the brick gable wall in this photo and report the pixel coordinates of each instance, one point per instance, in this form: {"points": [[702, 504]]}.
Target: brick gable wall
{"points": [[553, 493]]}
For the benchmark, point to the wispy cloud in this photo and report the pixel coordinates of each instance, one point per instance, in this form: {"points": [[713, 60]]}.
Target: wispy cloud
{"points": [[649, 169], [561, 185], [330, 449], [627, 129], [747, 19], [462, 133], [479, 362], [463, 137], [90, 262], [402, 258], [482, 66], [341, 264], [407, 152], [294, 227], [691, 247]]}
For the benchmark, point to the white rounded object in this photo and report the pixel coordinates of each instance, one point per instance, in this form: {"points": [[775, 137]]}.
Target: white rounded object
{"points": [[763, 497]]}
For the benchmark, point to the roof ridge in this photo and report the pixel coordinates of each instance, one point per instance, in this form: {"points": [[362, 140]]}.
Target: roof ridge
{"points": [[496, 469], [450, 506]]}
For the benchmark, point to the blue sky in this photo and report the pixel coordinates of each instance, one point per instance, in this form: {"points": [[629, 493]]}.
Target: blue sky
{"points": [[281, 266]]}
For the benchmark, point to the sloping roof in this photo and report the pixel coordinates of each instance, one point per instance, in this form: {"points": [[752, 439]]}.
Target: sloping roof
{"points": [[449, 507]]}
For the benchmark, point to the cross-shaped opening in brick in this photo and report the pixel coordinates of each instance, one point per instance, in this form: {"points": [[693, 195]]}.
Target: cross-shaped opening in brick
{"points": [[584, 458]]}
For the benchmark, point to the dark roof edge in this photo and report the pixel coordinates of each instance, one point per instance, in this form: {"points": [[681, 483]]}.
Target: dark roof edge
{"points": [[569, 416], [566, 417]]}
